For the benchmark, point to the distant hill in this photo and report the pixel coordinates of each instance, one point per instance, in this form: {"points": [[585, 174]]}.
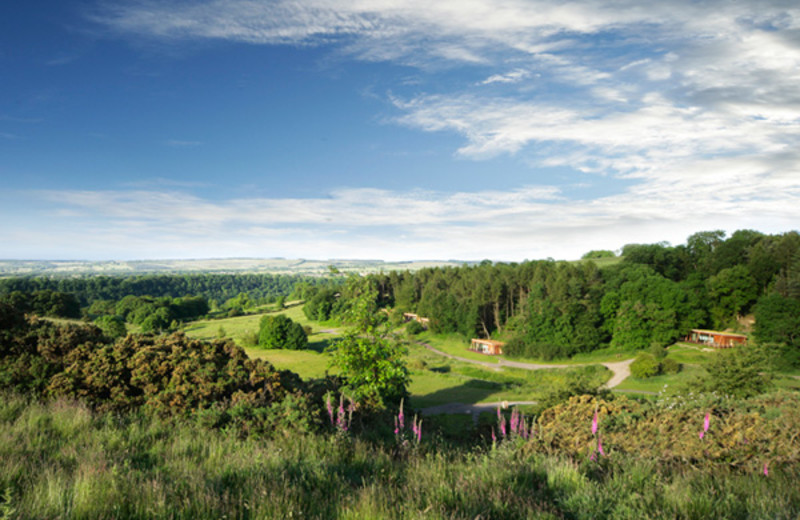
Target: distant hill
{"points": [[218, 265]]}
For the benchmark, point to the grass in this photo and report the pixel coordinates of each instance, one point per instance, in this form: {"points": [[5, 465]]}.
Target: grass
{"points": [[309, 363], [690, 353], [306, 363], [59, 460], [673, 382], [456, 345]]}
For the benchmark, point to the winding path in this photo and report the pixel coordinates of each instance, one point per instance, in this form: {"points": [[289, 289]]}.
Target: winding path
{"points": [[620, 370]]}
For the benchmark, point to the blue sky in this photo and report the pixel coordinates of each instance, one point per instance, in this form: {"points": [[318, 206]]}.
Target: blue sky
{"points": [[388, 129]]}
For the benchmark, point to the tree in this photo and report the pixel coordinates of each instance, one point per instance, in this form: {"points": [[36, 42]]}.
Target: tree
{"points": [[732, 291], [281, 332], [368, 357], [598, 253], [741, 372], [778, 320], [112, 326]]}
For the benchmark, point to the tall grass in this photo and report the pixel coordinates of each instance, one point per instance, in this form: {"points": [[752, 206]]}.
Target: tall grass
{"points": [[59, 460]]}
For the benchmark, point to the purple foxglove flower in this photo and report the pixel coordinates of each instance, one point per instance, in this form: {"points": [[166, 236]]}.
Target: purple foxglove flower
{"points": [[594, 423], [600, 446], [702, 434], [503, 427], [494, 437], [329, 405], [706, 423], [766, 470], [593, 457]]}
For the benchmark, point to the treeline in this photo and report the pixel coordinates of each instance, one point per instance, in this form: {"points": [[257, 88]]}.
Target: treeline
{"points": [[44, 303], [654, 295], [152, 314], [217, 288]]}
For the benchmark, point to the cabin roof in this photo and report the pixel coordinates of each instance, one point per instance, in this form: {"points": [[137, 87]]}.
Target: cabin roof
{"points": [[718, 333]]}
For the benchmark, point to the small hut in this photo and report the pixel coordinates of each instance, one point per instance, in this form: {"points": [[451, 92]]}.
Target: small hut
{"points": [[487, 346], [716, 339]]}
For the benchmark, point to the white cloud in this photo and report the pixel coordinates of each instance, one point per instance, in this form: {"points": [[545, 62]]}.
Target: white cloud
{"points": [[534, 222], [515, 76]]}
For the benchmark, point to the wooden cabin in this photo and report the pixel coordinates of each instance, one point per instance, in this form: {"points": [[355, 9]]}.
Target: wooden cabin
{"points": [[487, 346], [716, 339]]}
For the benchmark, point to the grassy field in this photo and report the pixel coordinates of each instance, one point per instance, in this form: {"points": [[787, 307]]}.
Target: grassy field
{"points": [[669, 383], [456, 345], [60, 460], [310, 363]]}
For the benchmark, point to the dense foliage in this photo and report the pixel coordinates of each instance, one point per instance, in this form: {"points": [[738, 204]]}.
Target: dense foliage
{"points": [[654, 295], [44, 302], [170, 375], [280, 331], [217, 287], [156, 314]]}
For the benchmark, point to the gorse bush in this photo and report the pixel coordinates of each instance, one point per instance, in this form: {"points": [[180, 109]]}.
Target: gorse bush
{"points": [[740, 434], [168, 375]]}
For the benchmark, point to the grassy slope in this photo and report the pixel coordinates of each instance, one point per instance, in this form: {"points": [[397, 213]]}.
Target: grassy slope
{"points": [[58, 460], [309, 363]]}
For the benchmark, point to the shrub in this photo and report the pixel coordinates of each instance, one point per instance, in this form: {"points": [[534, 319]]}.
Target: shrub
{"points": [[645, 366], [670, 366], [281, 332], [414, 327], [740, 372]]}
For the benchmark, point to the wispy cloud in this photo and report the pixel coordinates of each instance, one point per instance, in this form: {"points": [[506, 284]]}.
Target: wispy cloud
{"points": [[533, 222]]}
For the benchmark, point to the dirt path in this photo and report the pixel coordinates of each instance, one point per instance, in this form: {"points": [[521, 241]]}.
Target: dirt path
{"points": [[621, 371]]}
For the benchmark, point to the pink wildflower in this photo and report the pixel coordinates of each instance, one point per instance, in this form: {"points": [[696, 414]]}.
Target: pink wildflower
{"points": [[706, 421], [593, 457], [594, 422], [329, 406], [503, 427], [494, 437], [766, 470], [400, 416], [600, 446], [396, 429], [702, 434]]}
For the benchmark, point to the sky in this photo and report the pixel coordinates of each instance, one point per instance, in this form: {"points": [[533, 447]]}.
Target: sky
{"points": [[392, 129]]}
